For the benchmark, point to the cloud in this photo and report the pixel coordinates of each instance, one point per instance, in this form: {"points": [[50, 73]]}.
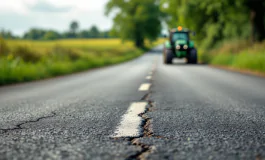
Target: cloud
{"points": [[42, 6], [19, 23], [50, 14]]}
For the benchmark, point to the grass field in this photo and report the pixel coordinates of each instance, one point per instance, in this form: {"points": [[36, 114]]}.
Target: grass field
{"points": [[239, 55], [23, 60]]}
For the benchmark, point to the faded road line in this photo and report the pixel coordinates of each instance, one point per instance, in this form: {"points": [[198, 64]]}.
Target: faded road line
{"points": [[149, 77], [144, 87], [131, 121]]}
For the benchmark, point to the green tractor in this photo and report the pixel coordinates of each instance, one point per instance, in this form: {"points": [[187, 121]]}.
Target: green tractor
{"points": [[179, 45]]}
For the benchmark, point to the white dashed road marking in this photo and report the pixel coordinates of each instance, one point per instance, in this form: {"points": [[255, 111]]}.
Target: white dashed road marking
{"points": [[145, 87], [130, 125], [131, 121], [149, 77]]}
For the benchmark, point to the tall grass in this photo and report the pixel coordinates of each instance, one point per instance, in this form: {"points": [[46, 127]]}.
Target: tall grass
{"points": [[238, 55], [22, 60]]}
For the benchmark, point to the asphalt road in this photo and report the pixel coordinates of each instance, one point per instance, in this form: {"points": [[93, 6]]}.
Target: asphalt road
{"points": [[192, 112]]}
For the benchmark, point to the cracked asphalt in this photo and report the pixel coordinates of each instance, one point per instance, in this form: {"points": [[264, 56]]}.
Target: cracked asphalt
{"points": [[197, 112]]}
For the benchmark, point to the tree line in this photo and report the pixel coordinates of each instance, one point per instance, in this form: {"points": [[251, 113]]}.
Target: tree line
{"points": [[140, 20], [212, 20], [44, 34], [215, 20]]}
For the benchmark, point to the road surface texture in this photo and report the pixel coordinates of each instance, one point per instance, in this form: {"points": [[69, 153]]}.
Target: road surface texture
{"points": [[141, 109]]}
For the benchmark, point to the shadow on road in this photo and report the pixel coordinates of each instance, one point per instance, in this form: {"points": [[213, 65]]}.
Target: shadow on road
{"points": [[176, 62], [185, 64], [182, 62]]}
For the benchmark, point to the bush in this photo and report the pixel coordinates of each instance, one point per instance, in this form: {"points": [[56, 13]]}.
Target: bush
{"points": [[232, 47], [26, 54], [67, 57], [3, 47], [250, 61], [239, 55], [62, 53]]}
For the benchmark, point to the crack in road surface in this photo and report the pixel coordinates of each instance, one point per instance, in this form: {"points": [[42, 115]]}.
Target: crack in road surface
{"points": [[146, 96], [145, 150], [147, 132], [19, 126], [147, 128]]}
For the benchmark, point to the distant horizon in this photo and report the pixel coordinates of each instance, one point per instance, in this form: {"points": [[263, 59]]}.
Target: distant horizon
{"points": [[47, 29], [19, 16]]}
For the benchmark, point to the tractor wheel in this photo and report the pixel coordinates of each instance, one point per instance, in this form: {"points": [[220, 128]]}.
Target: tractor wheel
{"points": [[168, 57], [192, 57]]}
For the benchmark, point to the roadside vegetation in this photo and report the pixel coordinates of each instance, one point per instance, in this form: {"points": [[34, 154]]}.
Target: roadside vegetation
{"points": [[228, 33], [240, 55], [26, 60]]}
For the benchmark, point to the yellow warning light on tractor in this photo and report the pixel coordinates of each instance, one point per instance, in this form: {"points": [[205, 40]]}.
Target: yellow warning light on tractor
{"points": [[179, 28]]}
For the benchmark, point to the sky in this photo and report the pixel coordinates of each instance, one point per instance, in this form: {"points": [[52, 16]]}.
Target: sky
{"points": [[19, 16]]}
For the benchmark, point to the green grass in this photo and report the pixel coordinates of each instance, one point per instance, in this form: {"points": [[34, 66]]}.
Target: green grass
{"points": [[237, 55], [22, 61]]}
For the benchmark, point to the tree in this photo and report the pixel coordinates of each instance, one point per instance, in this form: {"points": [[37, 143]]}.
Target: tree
{"points": [[215, 20], [7, 35], [34, 34], [51, 35], [68, 35], [105, 34], [84, 34], [74, 26], [94, 32], [135, 20], [257, 16]]}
